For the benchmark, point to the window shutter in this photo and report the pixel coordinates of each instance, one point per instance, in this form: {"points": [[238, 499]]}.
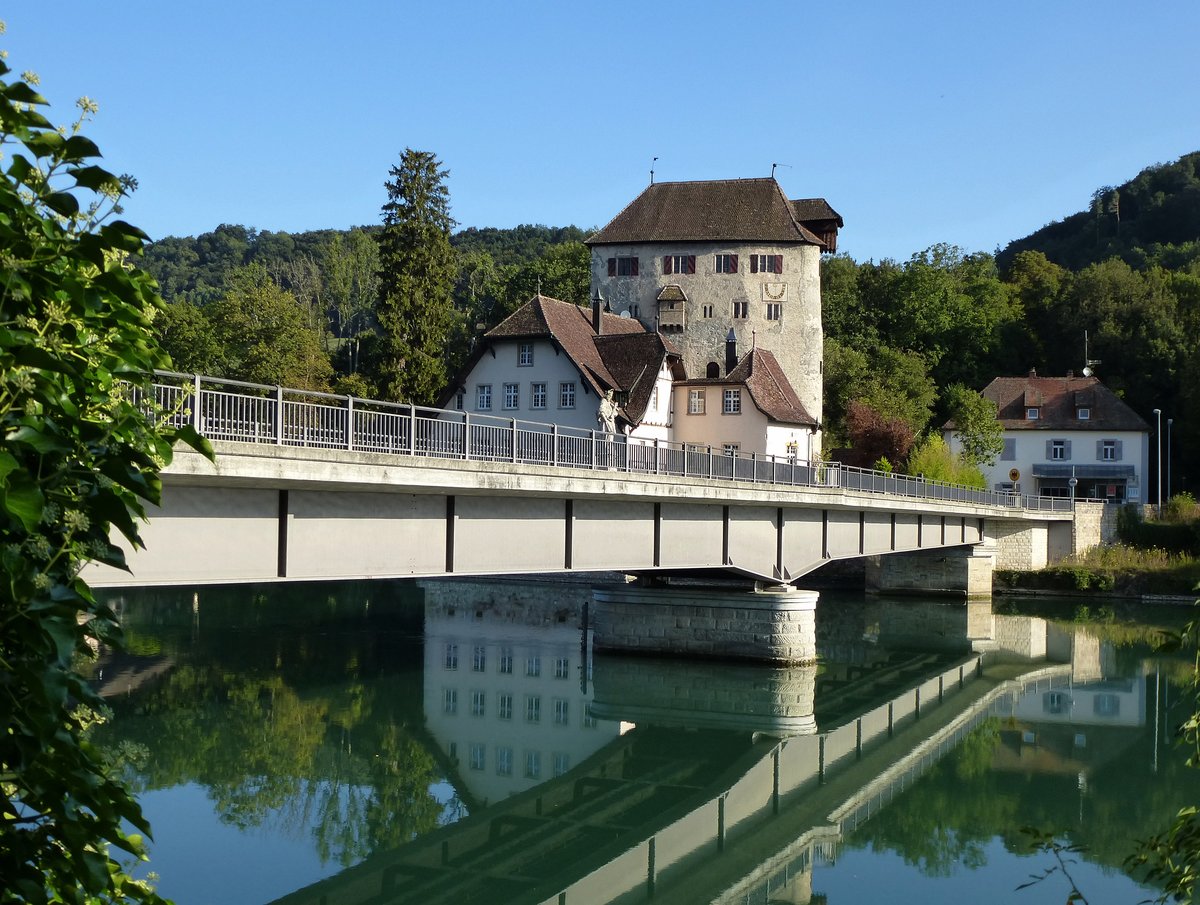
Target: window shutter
{"points": [[754, 263], [1067, 451], [634, 266], [667, 264], [1099, 450], [1049, 449], [733, 263], [691, 263], [612, 267], [1119, 444], [779, 263]]}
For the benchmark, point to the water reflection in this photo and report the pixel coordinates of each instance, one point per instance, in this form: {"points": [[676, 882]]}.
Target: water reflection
{"points": [[494, 760]]}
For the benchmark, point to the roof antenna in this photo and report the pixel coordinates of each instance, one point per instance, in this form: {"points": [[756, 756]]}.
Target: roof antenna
{"points": [[774, 165], [539, 285], [753, 340], [652, 163], [1088, 370]]}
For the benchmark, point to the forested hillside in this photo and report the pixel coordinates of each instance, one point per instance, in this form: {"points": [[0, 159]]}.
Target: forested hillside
{"points": [[904, 340]]}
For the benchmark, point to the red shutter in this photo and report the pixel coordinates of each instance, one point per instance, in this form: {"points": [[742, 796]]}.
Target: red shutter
{"points": [[779, 263], [691, 264], [612, 267], [634, 265], [754, 263], [667, 264], [733, 263]]}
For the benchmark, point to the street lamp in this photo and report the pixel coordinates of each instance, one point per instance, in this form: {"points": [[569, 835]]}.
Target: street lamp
{"points": [[1158, 434], [1170, 421]]}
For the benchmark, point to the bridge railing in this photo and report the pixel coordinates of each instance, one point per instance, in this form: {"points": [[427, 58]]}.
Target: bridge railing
{"points": [[252, 413]]}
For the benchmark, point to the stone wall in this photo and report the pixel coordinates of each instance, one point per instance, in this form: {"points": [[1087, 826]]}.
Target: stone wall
{"points": [[771, 627], [953, 571], [1090, 521]]}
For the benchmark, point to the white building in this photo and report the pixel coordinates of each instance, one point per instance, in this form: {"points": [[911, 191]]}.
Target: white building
{"points": [[1059, 428]]}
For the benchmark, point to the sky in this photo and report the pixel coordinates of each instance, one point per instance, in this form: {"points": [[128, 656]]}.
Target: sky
{"points": [[922, 122]]}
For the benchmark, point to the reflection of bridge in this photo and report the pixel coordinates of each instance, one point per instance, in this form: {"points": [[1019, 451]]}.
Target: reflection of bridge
{"points": [[315, 486], [736, 800]]}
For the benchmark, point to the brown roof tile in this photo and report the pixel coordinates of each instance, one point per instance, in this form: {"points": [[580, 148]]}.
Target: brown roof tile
{"points": [[722, 210], [1058, 399], [806, 209]]}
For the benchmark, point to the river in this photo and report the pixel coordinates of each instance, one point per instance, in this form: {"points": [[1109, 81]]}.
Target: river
{"points": [[459, 741]]}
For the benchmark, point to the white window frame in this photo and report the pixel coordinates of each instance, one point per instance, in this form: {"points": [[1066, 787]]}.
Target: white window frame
{"points": [[478, 703], [739, 311], [566, 394], [562, 712], [525, 355], [774, 311], [731, 449], [696, 401], [1108, 450], [504, 706], [1031, 413], [537, 395], [562, 668], [533, 708], [512, 396], [504, 761], [731, 401], [1083, 413], [723, 263], [706, 311], [1058, 450], [483, 397]]}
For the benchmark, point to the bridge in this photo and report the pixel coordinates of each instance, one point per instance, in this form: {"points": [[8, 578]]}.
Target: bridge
{"points": [[310, 486]]}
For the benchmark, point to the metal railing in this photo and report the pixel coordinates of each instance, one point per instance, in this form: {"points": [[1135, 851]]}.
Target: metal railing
{"points": [[251, 413]]}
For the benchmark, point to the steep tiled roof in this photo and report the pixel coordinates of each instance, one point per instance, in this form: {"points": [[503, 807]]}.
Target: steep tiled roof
{"points": [[772, 393], [1058, 400], [634, 361], [672, 292], [806, 209], [723, 210]]}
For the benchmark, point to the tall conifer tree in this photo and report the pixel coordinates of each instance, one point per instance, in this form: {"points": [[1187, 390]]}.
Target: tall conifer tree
{"points": [[416, 309]]}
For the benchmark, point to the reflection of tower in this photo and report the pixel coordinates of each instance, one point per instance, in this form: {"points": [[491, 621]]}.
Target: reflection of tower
{"points": [[505, 690]]}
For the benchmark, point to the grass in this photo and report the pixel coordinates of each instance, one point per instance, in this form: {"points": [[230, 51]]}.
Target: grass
{"points": [[1119, 569]]}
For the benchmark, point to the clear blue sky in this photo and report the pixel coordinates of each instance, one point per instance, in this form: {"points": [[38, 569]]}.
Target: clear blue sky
{"points": [[966, 123]]}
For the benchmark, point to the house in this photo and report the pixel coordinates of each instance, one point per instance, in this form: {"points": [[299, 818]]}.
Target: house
{"points": [[752, 408], [1059, 428], [696, 260], [552, 361]]}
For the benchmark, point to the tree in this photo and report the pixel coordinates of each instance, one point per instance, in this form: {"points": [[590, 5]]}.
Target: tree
{"points": [[874, 437], [80, 452], [979, 433], [416, 311]]}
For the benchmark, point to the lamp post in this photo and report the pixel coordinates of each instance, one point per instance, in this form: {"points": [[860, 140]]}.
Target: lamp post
{"points": [[1158, 435], [1170, 421]]}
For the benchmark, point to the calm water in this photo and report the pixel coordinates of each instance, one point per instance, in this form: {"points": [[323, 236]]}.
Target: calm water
{"points": [[458, 742]]}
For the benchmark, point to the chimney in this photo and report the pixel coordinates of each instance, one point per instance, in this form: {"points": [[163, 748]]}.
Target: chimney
{"points": [[597, 314], [730, 351]]}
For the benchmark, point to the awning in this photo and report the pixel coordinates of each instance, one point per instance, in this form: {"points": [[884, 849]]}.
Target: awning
{"points": [[1090, 472]]}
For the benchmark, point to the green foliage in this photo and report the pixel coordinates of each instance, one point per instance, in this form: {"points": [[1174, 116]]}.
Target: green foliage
{"points": [[932, 459], [893, 383], [1173, 536], [416, 312], [975, 426], [79, 455], [1181, 508]]}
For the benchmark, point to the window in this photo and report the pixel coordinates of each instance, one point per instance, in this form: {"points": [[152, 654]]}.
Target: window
{"points": [[562, 763], [766, 263], [654, 398], [1106, 704], [732, 404], [561, 712], [477, 756], [479, 658], [1058, 450], [504, 761], [562, 668], [504, 706], [623, 267], [679, 264], [635, 310], [695, 402], [533, 708], [1055, 702], [459, 400], [1109, 450], [706, 310], [478, 703], [1031, 413], [533, 764], [566, 395], [1083, 414], [726, 263], [740, 310], [506, 660], [533, 666], [483, 397], [537, 398], [774, 311], [512, 395], [1009, 453], [589, 721], [450, 700], [730, 449], [525, 355], [451, 660]]}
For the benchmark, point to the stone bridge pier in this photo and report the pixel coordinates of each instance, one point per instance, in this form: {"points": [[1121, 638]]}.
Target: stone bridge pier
{"points": [[966, 571]]}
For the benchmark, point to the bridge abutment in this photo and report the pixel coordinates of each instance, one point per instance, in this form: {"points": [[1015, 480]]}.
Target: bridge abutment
{"points": [[955, 572], [776, 626]]}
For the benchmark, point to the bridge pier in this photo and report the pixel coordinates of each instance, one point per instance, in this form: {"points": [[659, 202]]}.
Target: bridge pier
{"points": [[775, 626], [954, 571]]}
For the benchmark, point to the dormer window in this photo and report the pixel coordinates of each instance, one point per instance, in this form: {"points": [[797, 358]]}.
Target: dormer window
{"points": [[1032, 412], [1083, 414], [525, 355]]}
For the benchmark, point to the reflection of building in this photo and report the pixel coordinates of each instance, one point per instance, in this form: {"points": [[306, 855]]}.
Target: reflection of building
{"points": [[504, 688]]}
